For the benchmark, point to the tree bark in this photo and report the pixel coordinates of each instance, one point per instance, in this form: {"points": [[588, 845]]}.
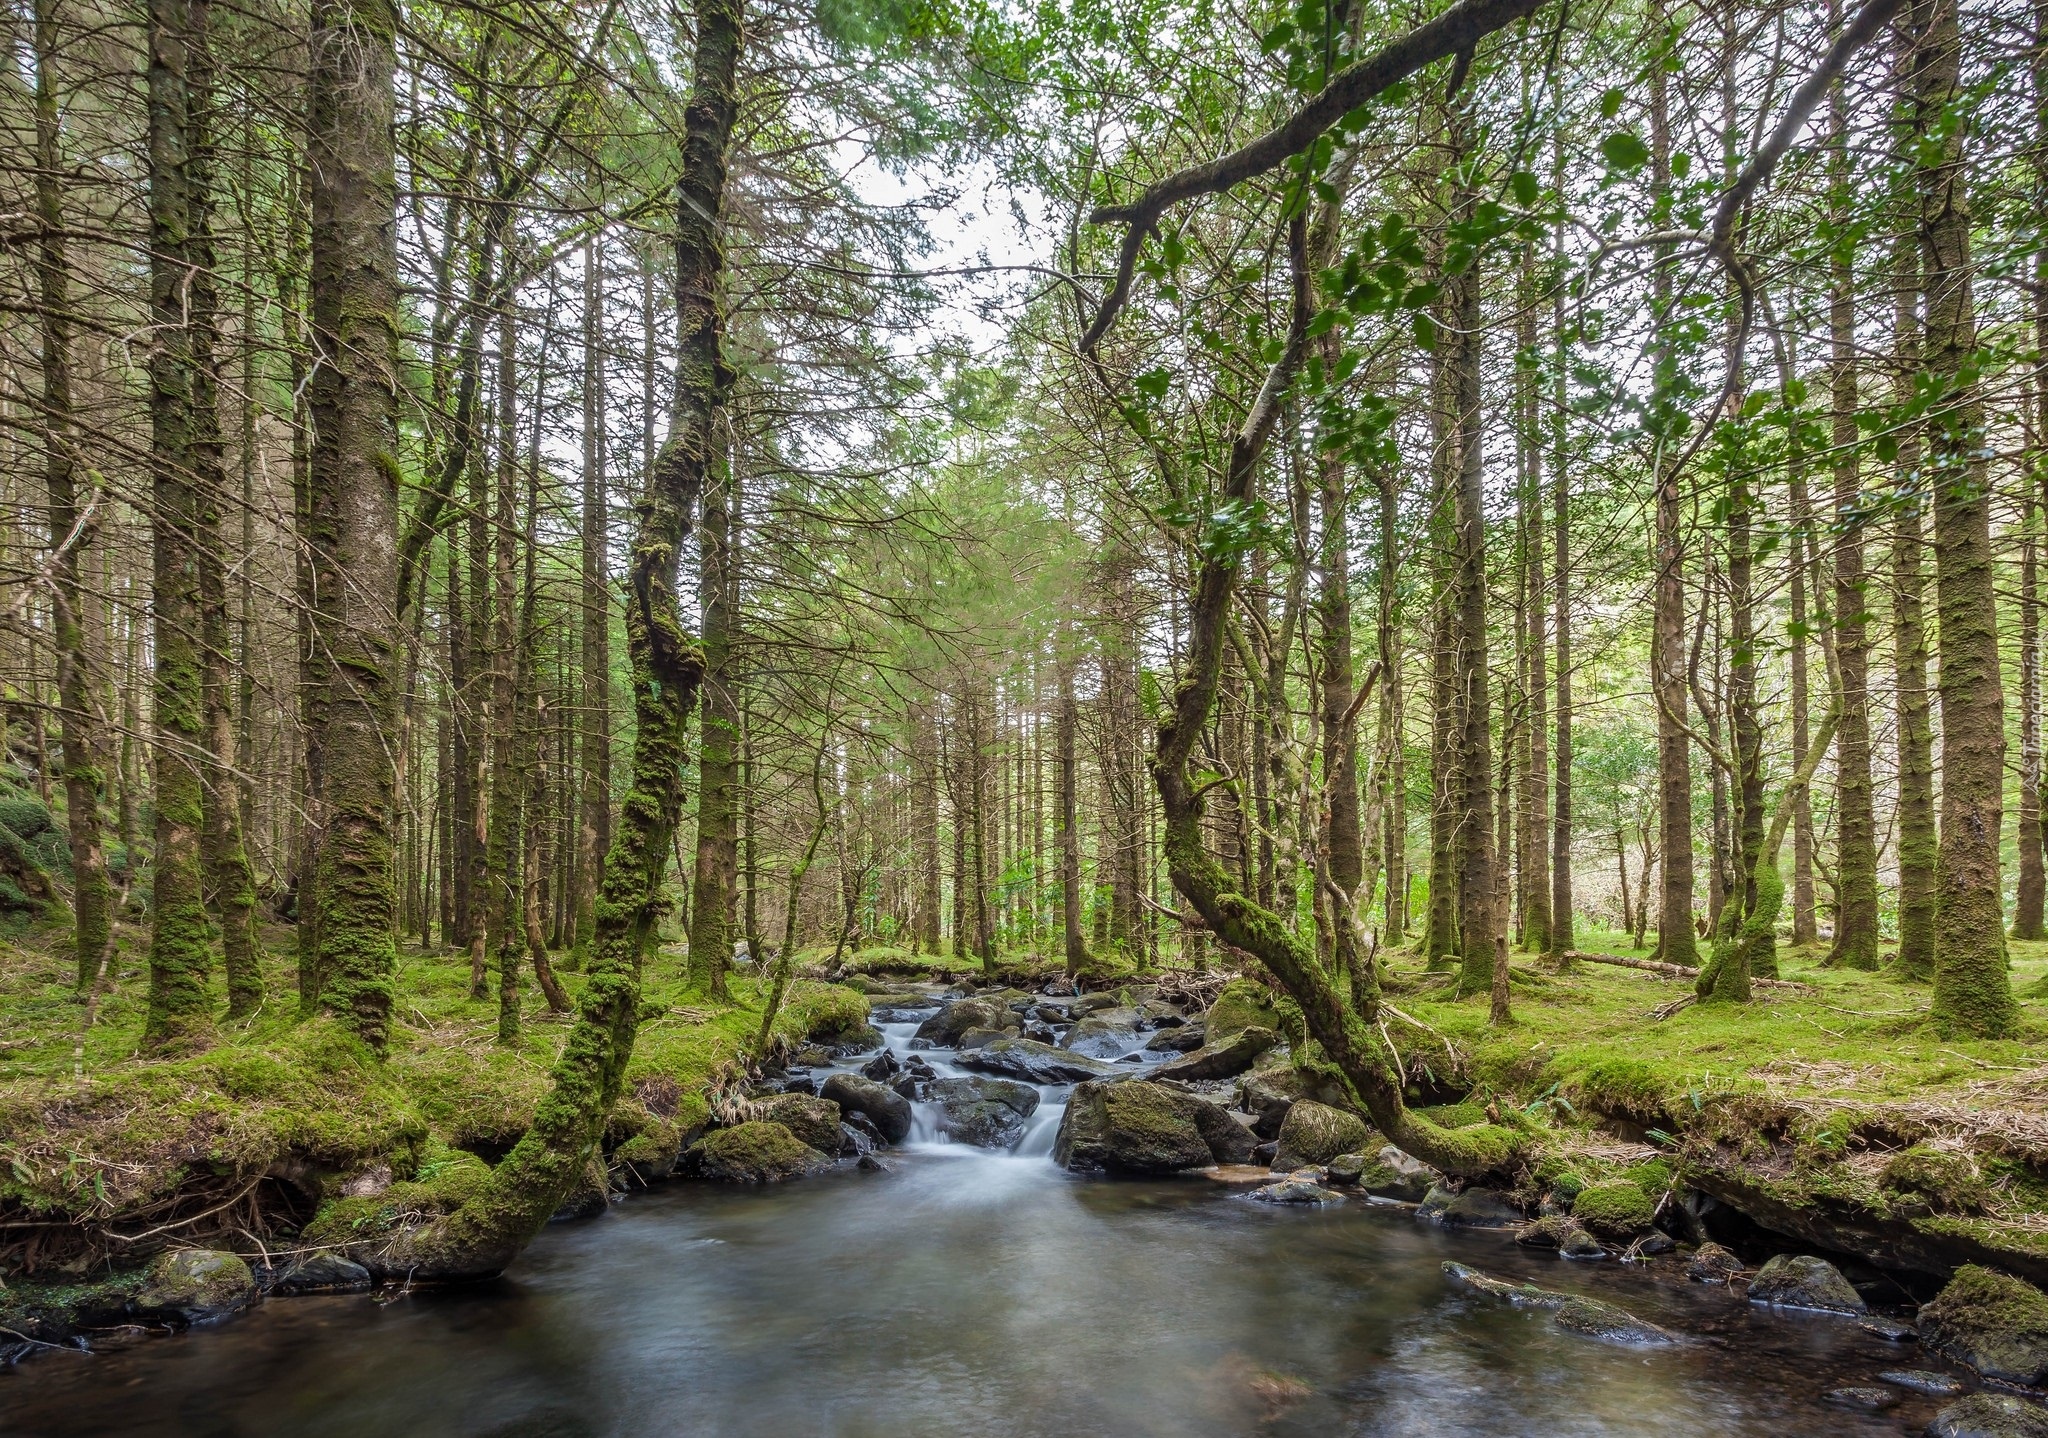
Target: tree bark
{"points": [[594, 817], [717, 856], [180, 949], [1972, 993], [73, 535], [353, 399]]}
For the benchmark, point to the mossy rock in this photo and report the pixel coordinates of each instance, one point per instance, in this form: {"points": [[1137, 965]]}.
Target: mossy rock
{"points": [[1615, 1208], [195, 1285], [1991, 1321], [1803, 1281], [444, 1181], [1241, 1005], [1944, 1181], [1131, 1126], [814, 1120], [1315, 1133], [1990, 1415], [754, 1152]]}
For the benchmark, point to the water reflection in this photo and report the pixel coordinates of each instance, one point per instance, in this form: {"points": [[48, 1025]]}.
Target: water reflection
{"points": [[971, 1293]]}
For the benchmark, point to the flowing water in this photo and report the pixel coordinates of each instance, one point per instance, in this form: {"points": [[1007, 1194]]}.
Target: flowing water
{"points": [[974, 1293]]}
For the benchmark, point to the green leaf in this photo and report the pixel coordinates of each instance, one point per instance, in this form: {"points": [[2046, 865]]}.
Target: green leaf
{"points": [[1274, 38], [1887, 447], [1153, 383], [1623, 151], [1425, 330], [1610, 102], [1525, 187]]}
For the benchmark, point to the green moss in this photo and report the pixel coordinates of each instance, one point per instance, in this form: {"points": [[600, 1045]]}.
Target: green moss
{"points": [[1241, 1005], [1615, 1208], [1945, 1181], [1454, 1115], [754, 1152]]}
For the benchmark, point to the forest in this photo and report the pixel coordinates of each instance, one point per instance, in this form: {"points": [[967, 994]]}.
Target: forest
{"points": [[1426, 613]]}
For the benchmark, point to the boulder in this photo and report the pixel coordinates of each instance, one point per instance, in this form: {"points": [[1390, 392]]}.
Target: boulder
{"points": [[1990, 1415], [945, 1027], [1996, 1324], [1588, 1316], [1616, 1208], [1222, 1060], [985, 1112], [1347, 1168], [1474, 1208], [1565, 1234], [1711, 1263], [1137, 1127], [195, 1285], [1316, 1133], [1803, 1281], [1393, 1174], [1296, 1189], [882, 1067], [1033, 1062], [1090, 1003], [888, 1110], [1105, 1034], [754, 1152], [814, 1120], [324, 1273], [1240, 1005], [1182, 1040]]}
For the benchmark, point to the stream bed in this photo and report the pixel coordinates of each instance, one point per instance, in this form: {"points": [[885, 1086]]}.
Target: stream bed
{"points": [[968, 1292]]}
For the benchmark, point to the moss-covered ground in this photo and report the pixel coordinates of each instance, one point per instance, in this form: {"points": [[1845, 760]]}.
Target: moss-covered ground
{"points": [[267, 1120], [1842, 1101]]}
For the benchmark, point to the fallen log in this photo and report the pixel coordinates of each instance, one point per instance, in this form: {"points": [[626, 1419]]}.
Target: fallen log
{"points": [[1678, 971]]}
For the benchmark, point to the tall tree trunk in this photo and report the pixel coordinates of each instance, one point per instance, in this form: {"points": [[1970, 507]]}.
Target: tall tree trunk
{"points": [[1804, 929], [1972, 993], [180, 950], [1477, 921], [594, 819], [1676, 941], [353, 399], [717, 856], [1075, 946], [502, 848], [73, 533], [1534, 841], [1391, 812], [226, 855], [552, 1156], [1561, 822], [1917, 841], [1855, 944]]}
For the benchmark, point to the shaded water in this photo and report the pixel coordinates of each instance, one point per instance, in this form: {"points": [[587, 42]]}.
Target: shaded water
{"points": [[973, 1293]]}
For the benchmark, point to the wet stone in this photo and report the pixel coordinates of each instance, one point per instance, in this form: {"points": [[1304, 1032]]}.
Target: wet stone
{"points": [[1857, 1395], [1924, 1380]]}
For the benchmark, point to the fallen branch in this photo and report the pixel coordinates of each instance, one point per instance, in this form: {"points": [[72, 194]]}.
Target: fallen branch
{"points": [[1679, 971]]}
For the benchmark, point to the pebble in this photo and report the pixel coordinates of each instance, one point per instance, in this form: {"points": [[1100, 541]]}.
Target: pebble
{"points": [[1858, 1396]]}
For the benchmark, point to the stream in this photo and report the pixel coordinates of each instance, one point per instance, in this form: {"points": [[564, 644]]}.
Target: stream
{"points": [[968, 1292]]}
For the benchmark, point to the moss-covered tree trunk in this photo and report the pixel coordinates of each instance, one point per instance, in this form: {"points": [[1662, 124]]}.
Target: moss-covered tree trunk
{"points": [[1561, 937], [1972, 993], [594, 813], [1675, 941], [1074, 943], [504, 886], [1917, 839], [1533, 839], [226, 857], [1855, 944], [715, 885], [73, 532], [353, 399], [488, 1230], [180, 949]]}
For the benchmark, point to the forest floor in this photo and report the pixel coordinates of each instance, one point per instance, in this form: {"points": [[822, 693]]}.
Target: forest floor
{"points": [[106, 1142]]}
